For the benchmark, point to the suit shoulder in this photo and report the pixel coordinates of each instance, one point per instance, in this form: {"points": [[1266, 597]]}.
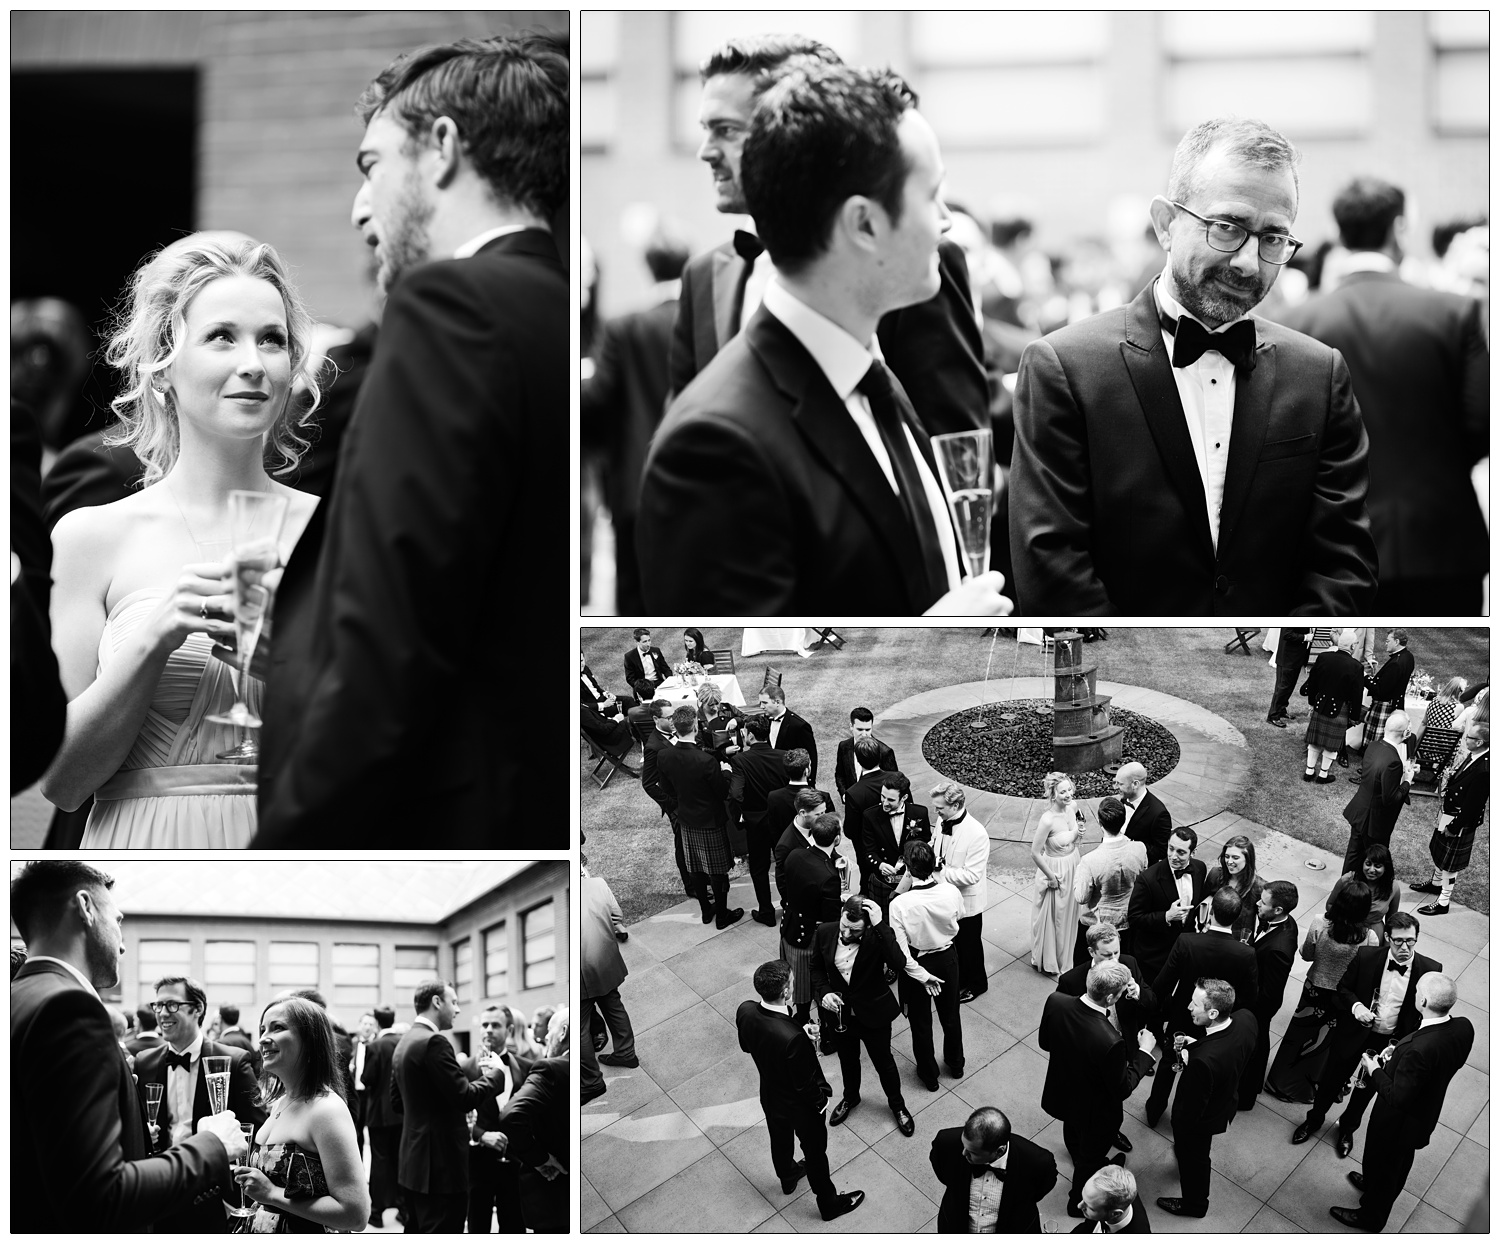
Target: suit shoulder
{"points": [[734, 393], [1101, 332], [1299, 345]]}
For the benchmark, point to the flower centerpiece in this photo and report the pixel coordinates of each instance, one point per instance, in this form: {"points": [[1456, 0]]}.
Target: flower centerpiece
{"points": [[1422, 685], [689, 671]]}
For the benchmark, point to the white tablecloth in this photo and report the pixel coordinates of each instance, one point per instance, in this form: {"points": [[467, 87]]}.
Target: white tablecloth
{"points": [[679, 692], [758, 639]]}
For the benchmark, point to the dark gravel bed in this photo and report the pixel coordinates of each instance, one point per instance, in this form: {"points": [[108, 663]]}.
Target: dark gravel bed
{"points": [[1013, 752]]}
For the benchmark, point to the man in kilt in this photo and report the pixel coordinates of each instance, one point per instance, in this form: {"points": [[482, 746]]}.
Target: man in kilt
{"points": [[1466, 791], [1388, 687], [1333, 689], [699, 783], [814, 888]]}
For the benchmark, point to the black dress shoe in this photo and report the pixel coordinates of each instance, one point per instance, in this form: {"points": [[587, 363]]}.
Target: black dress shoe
{"points": [[726, 918], [843, 1203], [1308, 775], [931, 1085], [767, 917], [1278, 722], [615, 1060], [1153, 1117], [1122, 1142], [1176, 1205], [590, 1093], [789, 1186], [1304, 1132], [1343, 1145], [1343, 761], [905, 1124], [708, 915], [1433, 909], [966, 995], [1349, 1217], [1326, 779], [1356, 1178], [841, 1111], [1423, 887]]}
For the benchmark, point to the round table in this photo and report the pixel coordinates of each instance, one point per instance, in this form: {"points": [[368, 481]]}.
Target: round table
{"points": [[677, 691]]}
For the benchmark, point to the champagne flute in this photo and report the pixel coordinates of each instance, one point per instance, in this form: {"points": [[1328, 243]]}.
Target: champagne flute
{"points": [[216, 1072], [153, 1101], [966, 469], [244, 1206], [255, 520]]}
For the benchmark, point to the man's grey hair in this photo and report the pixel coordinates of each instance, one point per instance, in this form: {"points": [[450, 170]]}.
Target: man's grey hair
{"points": [[1250, 141], [1114, 1185], [1106, 981], [950, 793]]}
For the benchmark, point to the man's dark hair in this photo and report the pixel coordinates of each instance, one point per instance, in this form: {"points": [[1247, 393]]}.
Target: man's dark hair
{"points": [[145, 1019], [508, 95], [797, 762], [685, 720], [661, 708], [1443, 234], [229, 1013], [1365, 210], [196, 995], [640, 633], [1402, 920], [666, 257], [760, 57], [1111, 814], [1187, 833], [817, 138], [1283, 895], [826, 829], [988, 1128], [426, 992], [770, 980], [919, 859], [385, 1016], [17, 960], [1218, 994], [894, 779], [43, 887], [860, 714], [854, 907], [312, 995], [809, 800], [1226, 906], [758, 727], [867, 751], [1399, 635], [774, 693]]}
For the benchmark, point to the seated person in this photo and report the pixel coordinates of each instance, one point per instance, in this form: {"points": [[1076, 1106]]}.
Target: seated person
{"points": [[645, 667], [609, 733], [695, 649], [593, 693], [715, 715]]}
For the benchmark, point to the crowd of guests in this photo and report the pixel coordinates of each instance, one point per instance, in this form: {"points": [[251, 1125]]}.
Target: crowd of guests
{"points": [[133, 1144]]}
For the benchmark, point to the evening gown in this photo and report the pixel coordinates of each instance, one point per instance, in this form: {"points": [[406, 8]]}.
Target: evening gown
{"points": [[298, 1172], [1054, 916], [172, 792]]}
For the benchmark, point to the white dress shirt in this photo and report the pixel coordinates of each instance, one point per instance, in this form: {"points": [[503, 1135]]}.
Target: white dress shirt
{"points": [[924, 917], [1185, 884], [984, 1198], [845, 361], [182, 1089], [1207, 391], [1115, 1228], [776, 728], [1389, 995], [472, 246], [761, 272], [963, 858], [844, 956]]}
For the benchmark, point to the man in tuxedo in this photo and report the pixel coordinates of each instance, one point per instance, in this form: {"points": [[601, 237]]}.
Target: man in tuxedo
{"points": [[1216, 954], [645, 667], [759, 769], [1162, 466], [813, 886], [787, 729], [359, 1097], [1387, 686], [849, 961], [808, 804], [1410, 1083], [991, 1180], [860, 797], [861, 725], [1420, 367], [1465, 795], [1291, 659], [796, 417], [1384, 789], [780, 804], [1379, 990], [432, 520], [180, 1007], [381, 1118], [1206, 1101], [1111, 1205], [934, 347], [962, 847], [1095, 1063], [81, 1158], [924, 916], [595, 695], [146, 1036], [432, 1095], [1147, 820], [1135, 1008], [695, 780], [1275, 945], [887, 828], [494, 1180], [652, 747], [793, 1092], [230, 1033], [1163, 898]]}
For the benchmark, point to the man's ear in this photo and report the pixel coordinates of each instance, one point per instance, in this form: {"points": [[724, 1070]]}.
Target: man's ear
{"points": [[1161, 221], [857, 219], [446, 149]]}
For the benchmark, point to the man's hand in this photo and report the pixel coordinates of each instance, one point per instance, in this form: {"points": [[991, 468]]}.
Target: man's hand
{"points": [[498, 1141], [1146, 1041], [227, 1128], [977, 597], [933, 987], [887, 870], [1177, 912], [832, 1002], [1132, 990], [1362, 1014], [551, 1169], [489, 1061]]}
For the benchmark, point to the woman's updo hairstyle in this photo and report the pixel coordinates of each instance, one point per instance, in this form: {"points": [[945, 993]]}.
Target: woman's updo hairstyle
{"points": [[147, 335], [1050, 784]]}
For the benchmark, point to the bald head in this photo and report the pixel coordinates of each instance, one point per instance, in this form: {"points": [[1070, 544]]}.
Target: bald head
{"points": [[1397, 726], [1130, 780], [1436, 993]]}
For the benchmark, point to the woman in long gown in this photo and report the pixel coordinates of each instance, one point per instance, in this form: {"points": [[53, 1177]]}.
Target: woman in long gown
{"points": [[212, 345], [305, 1173], [1054, 915]]}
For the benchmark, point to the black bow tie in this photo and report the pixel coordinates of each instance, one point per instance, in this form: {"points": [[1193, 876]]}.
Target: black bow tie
{"points": [[185, 1061], [948, 827], [1191, 340], [747, 246], [1178, 874], [1397, 967], [977, 1172]]}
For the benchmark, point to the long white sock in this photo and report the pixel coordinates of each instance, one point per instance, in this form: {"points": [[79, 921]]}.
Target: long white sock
{"points": [[1448, 880]]}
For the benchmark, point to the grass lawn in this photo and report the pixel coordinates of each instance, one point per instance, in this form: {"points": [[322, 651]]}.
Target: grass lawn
{"points": [[630, 843]]}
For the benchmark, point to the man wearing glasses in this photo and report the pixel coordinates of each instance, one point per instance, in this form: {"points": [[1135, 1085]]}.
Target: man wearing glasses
{"points": [[1177, 456]]}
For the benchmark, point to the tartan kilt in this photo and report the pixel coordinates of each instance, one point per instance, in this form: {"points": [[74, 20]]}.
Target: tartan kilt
{"points": [[1451, 854], [706, 850], [801, 965], [1326, 733], [1375, 719]]}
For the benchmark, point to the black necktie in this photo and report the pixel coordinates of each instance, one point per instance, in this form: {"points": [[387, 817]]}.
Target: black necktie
{"points": [[185, 1061], [748, 247], [978, 1172], [1191, 340], [889, 405], [1397, 967]]}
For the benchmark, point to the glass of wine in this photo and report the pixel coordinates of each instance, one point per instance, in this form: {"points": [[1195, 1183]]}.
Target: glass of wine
{"points": [[216, 1072], [255, 520], [966, 469]]}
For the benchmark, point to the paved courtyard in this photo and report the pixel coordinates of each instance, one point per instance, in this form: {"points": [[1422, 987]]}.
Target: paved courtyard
{"points": [[680, 1143]]}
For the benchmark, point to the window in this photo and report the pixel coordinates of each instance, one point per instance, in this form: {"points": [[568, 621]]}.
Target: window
{"points": [[158, 959], [229, 973], [356, 974], [1461, 71], [496, 962], [463, 970], [598, 54], [414, 964], [293, 965], [539, 944]]}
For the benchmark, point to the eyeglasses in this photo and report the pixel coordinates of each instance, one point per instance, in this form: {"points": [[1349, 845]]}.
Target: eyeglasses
{"points": [[1227, 236], [170, 1007], [1403, 941]]}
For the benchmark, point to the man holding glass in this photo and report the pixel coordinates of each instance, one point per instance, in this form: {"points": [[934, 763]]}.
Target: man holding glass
{"points": [[1177, 456]]}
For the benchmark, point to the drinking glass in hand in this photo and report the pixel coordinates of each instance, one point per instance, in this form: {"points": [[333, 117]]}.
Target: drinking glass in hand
{"points": [[216, 1072], [153, 1103], [966, 469], [244, 1206]]}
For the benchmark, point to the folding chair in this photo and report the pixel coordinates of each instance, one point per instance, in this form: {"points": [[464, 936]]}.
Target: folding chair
{"points": [[773, 678], [1242, 637], [603, 760], [1433, 755], [827, 635], [723, 660], [1319, 642]]}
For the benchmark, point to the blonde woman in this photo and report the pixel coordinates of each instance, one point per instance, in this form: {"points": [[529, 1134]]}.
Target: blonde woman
{"points": [[1054, 913], [210, 345]]}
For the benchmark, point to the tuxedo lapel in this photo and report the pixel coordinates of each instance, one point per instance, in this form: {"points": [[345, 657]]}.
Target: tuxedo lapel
{"points": [[1253, 391], [728, 269]]}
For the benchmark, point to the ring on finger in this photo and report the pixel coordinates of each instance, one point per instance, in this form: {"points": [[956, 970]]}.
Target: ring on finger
{"points": [[203, 609]]}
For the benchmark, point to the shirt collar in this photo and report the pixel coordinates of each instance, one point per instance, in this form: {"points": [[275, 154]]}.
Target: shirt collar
{"points": [[1176, 310], [842, 359], [1219, 1027], [72, 971], [1429, 1020], [471, 247], [1366, 261], [1115, 1227], [775, 1007], [422, 1019], [193, 1051], [1089, 1002]]}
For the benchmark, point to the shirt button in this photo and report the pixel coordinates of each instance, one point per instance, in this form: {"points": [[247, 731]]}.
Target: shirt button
{"points": [[1211, 380]]}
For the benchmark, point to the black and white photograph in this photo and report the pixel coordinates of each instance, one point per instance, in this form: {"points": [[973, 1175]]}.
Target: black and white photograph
{"points": [[276, 426], [1058, 313], [324, 1046]]}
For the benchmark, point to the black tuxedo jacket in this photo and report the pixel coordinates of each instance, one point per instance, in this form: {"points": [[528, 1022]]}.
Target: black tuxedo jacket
{"points": [[762, 769], [586, 695], [1420, 369], [1107, 509], [815, 528], [1218, 956], [865, 992], [1414, 1082], [241, 1041], [635, 668], [1208, 1091], [1030, 1173], [810, 888], [843, 768], [934, 348], [1390, 681], [651, 750], [692, 779], [880, 843], [89, 472], [1092, 1069], [1151, 825], [430, 528], [432, 1095], [791, 1082], [1359, 983], [1133, 1013], [487, 1108], [1274, 956], [796, 732], [1466, 794], [1139, 1224], [781, 807], [376, 1080], [1154, 891], [1383, 792], [859, 799], [80, 1157]]}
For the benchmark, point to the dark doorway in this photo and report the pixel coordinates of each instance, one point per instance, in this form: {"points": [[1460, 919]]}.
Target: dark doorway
{"points": [[103, 171]]}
